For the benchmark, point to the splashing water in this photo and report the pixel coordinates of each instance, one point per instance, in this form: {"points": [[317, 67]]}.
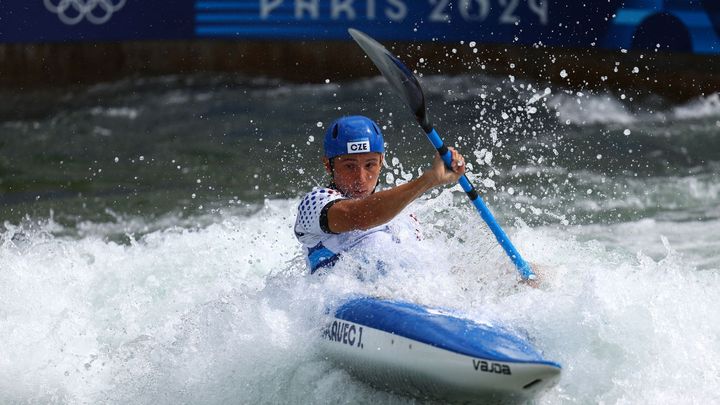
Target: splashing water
{"points": [[218, 314], [122, 290]]}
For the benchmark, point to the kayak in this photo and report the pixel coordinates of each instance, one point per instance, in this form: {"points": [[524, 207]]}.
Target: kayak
{"points": [[431, 353]]}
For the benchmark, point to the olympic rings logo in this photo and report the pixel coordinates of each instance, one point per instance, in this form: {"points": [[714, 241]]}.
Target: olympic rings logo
{"points": [[72, 12]]}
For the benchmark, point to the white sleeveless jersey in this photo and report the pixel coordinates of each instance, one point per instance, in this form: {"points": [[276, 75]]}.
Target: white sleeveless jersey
{"points": [[323, 247]]}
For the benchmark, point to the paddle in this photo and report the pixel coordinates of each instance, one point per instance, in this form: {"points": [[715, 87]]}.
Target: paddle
{"points": [[406, 85]]}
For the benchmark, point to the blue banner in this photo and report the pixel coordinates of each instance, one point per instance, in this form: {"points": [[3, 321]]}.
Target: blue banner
{"points": [[95, 20], [383, 19], [674, 25]]}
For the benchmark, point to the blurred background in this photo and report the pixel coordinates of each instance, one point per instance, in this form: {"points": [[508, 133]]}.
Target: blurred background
{"points": [[138, 105], [133, 104]]}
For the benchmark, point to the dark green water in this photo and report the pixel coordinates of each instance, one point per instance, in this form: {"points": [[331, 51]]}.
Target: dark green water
{"points": [[186, 144]]}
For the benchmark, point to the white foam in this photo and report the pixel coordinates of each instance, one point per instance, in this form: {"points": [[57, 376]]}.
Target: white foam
{"points": [[116, 112], [590, 109], [703, 107], [223, 311]]}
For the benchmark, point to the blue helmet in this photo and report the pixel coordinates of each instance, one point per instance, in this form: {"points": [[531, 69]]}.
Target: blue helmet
{"points": [[353, 134]]}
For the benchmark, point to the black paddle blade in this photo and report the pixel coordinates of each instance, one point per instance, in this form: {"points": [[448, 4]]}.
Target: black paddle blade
{"points": [[401, 79]]}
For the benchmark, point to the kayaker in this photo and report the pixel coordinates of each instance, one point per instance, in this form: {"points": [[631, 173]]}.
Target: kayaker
{"points": [[349, 212]]}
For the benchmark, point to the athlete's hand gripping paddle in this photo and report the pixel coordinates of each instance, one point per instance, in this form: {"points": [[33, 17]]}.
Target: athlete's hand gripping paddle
{"points": [[406, 85]]}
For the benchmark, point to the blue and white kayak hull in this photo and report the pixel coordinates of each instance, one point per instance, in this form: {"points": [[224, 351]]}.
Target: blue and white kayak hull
{"points": [[410, 349]]}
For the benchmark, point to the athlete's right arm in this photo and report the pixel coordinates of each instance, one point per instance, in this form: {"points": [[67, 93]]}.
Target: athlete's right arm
{"points": [[379, 208]]}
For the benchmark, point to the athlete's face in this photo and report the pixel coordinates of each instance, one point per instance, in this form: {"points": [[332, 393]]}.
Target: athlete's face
{"points": [[356, 175]]}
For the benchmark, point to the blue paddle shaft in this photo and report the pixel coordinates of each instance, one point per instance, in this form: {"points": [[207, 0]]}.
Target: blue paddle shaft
{"points": [[522, 266]]}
